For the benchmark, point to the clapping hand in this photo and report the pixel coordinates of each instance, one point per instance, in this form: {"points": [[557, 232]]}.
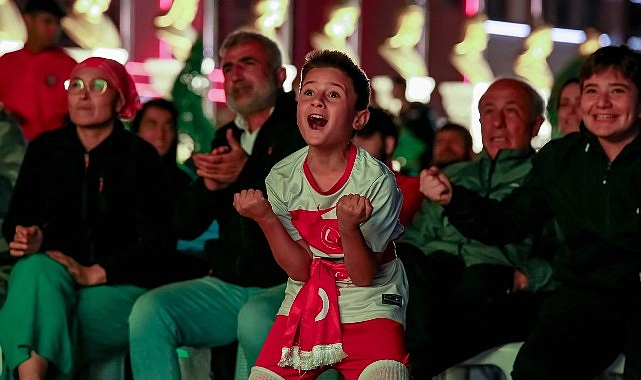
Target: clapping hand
{"points": [[221, 167]]}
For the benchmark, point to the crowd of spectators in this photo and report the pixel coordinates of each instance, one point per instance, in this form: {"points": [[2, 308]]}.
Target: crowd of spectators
{"points": [[336, 222]]}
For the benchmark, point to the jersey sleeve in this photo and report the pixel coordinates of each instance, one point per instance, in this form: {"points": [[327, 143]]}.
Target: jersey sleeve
{"points": [[383, 225]]}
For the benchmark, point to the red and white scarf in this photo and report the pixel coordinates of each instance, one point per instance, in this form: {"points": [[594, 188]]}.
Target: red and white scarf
{"points": [[313, 331]]}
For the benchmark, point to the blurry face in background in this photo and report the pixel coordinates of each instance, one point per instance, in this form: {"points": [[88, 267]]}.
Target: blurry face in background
{"points": [[569, 112], [375, 145], [449, 148], [43, 29], [157, 128], [250, 84]]}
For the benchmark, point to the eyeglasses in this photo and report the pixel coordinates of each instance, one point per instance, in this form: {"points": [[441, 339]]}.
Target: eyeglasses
{"points": [[97, 86]]}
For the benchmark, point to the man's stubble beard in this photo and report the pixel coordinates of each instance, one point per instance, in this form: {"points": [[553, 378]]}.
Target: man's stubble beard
{"points": [[262, 97]]}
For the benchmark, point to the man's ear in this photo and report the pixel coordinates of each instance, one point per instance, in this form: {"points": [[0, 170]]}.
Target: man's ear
{"points": [[360, 119], [389, 145], [536, 125], [281, 75]]}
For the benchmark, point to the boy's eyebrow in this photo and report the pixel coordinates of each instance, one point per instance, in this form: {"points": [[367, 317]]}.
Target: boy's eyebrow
{"points": [[610, 84], [344, 88]]}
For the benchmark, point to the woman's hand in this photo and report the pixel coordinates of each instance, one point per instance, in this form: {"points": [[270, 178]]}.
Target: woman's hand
{"points": [[26, 240], [91, 275]]}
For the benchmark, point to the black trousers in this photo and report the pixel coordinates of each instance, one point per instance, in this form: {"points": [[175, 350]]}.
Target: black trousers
{"points": [[580, 333], [454, 312]]}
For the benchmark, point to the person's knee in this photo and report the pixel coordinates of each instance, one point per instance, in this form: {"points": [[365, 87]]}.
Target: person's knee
{"points": [[260, 373], [385, 370], [36, 263], [254, 323], [149, 310], [256, 317]]}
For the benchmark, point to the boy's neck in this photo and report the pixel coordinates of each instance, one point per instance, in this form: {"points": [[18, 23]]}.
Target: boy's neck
{"points": [[327, 166]]}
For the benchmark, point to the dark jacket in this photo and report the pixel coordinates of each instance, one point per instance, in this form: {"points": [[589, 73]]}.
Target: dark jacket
{"points": [[105, 206], [595, 203], [241, 255]]}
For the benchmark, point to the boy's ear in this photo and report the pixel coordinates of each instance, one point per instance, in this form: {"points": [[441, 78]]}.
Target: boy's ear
{"points": [[360, 119]]}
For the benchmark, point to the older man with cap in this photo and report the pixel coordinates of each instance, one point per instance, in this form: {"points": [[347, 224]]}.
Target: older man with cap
{"points": [[32, 78], [89, 225]]}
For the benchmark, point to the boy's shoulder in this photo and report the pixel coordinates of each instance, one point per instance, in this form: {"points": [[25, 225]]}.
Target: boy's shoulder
{"points": [[287, 165]]}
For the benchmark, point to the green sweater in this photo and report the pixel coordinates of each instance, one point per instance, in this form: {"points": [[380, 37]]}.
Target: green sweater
{"points": [[431, 231]]}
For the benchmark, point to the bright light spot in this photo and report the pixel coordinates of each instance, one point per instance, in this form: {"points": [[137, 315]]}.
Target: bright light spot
{"points": [[207, 66], [7, 46], [475, 125], [216, 95], [419, 89], [120, 55], [605, 40], [570, 36], [290, 71], [382, 86], [511, 29], [199, 82]]}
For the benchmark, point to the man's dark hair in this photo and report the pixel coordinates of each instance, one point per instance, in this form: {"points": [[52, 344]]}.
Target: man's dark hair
{"points": [[49, 6], [339, 60], [242, 36], [621, 58], [461, 130], [379, 121], [158, 103]]}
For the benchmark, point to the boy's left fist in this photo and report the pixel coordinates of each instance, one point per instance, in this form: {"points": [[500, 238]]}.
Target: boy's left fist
{"points": [[352, 210]]}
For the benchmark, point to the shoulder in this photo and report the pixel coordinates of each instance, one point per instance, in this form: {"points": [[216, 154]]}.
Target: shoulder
{"points": [[284, 166], [13, 55], [370, 172], [60, 55], [465, 169], [558, 150]]}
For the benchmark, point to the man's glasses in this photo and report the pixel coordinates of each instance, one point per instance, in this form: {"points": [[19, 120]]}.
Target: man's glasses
{"points": [[97, 86]]}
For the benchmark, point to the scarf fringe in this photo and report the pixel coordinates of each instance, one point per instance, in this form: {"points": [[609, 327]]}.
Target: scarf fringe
{"points": [[320, 355]]}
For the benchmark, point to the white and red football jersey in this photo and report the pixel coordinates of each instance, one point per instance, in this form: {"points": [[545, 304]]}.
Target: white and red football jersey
{"points": [[310, 214]]}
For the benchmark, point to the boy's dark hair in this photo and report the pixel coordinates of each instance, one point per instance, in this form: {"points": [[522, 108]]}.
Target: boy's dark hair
{"points": [[379, 121], [158, 103], [461, 130], [242, 36], [339, 60], [621, 58]]}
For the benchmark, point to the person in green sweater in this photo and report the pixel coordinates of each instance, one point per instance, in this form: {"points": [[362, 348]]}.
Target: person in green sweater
{"points": [[466, 296]]}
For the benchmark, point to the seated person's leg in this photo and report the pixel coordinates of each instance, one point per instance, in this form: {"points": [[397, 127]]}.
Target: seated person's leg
{"points": [[256, 318], [432, 279], [103, 327], [578, 335], [39, 311], [196, 313]]}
